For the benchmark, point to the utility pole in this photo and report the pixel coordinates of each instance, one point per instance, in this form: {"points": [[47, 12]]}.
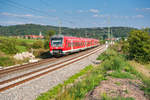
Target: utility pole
{"points": [[111, 33], [108, 27], [59, 27], [109, 30], [85, 33]]}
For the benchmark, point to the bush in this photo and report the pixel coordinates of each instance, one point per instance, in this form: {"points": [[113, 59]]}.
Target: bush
{"points": [[112, 60], [38, 52], [116, 47], [107, 55], [38, 44], [114, 63], [125, 47], [120, 74], [46, 44], [9, 46]]}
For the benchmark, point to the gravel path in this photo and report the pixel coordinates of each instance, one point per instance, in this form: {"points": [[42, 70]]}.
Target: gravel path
{"points": [[30, 90]]}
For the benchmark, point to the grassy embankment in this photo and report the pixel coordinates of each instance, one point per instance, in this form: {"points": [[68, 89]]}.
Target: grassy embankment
{"points": [[21, 44], [9, 46], [77, 86]]}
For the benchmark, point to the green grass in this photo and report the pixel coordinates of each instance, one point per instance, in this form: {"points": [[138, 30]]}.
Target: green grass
{"points": [[107, 55], [119, 74], [81, 88], [146, 86], [122, 98], [74, 77], [118, 83], [114, 63], [142, 77], [21, 48], [104, 96], [29, 41], [6, 61], [147, 66]]}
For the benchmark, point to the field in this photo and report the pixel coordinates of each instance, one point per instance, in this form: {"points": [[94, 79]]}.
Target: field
{"points": [[9, 46], [29, 41]]}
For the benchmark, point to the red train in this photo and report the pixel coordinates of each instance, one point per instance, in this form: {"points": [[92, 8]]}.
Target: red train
{"points": [[61, 45]]}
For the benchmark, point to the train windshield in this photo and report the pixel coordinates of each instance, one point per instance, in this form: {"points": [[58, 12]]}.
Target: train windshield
{"points": [[55, 42]]}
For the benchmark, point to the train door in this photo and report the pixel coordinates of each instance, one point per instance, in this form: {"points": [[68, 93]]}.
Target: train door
{"points": [[71, 44]]}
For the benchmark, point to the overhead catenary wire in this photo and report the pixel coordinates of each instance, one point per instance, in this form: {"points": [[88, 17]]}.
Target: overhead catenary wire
{"points": [[21, 6], [29, 8], [17, 5]]}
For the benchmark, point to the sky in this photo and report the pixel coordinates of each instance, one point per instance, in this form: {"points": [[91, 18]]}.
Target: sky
{"points": [[76, 13]]}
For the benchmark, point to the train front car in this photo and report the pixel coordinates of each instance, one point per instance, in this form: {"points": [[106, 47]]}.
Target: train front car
{"points": [[56, 45]]}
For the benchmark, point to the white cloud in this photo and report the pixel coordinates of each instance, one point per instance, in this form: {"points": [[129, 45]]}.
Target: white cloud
{"points": [[138, 16], [90, 10], [121, 17], [117, 16], [95, 15], [80, 11], [147, 8], [100, 16], [142, 9], [126, 17], [20, 15], [52, 10], [94, 10], [10, 22]]}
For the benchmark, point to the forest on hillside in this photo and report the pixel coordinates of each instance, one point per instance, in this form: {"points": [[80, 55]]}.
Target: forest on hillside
{"points": [[35, 29]]}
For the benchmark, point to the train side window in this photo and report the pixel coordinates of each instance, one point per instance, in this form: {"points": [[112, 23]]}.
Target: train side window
{"points": [[66, 43], [76, 44], [69, 44]]}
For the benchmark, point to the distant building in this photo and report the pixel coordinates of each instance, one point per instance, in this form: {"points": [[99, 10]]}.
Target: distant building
{"points": [[40, 36]]}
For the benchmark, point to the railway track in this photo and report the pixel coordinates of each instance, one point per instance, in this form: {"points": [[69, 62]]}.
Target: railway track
{"points": [[12, 82], [30, 65], [16, 68]]}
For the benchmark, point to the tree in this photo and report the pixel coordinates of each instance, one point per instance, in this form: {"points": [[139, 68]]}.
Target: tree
{"points": [[49, 33], [139, 45], [34, 29], [38, 44]]}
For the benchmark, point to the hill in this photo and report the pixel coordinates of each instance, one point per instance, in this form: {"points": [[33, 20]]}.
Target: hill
{"points": [[35, 29]]}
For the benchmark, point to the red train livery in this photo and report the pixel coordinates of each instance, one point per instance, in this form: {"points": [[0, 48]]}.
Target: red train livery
{"points": [[61, 45]]}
